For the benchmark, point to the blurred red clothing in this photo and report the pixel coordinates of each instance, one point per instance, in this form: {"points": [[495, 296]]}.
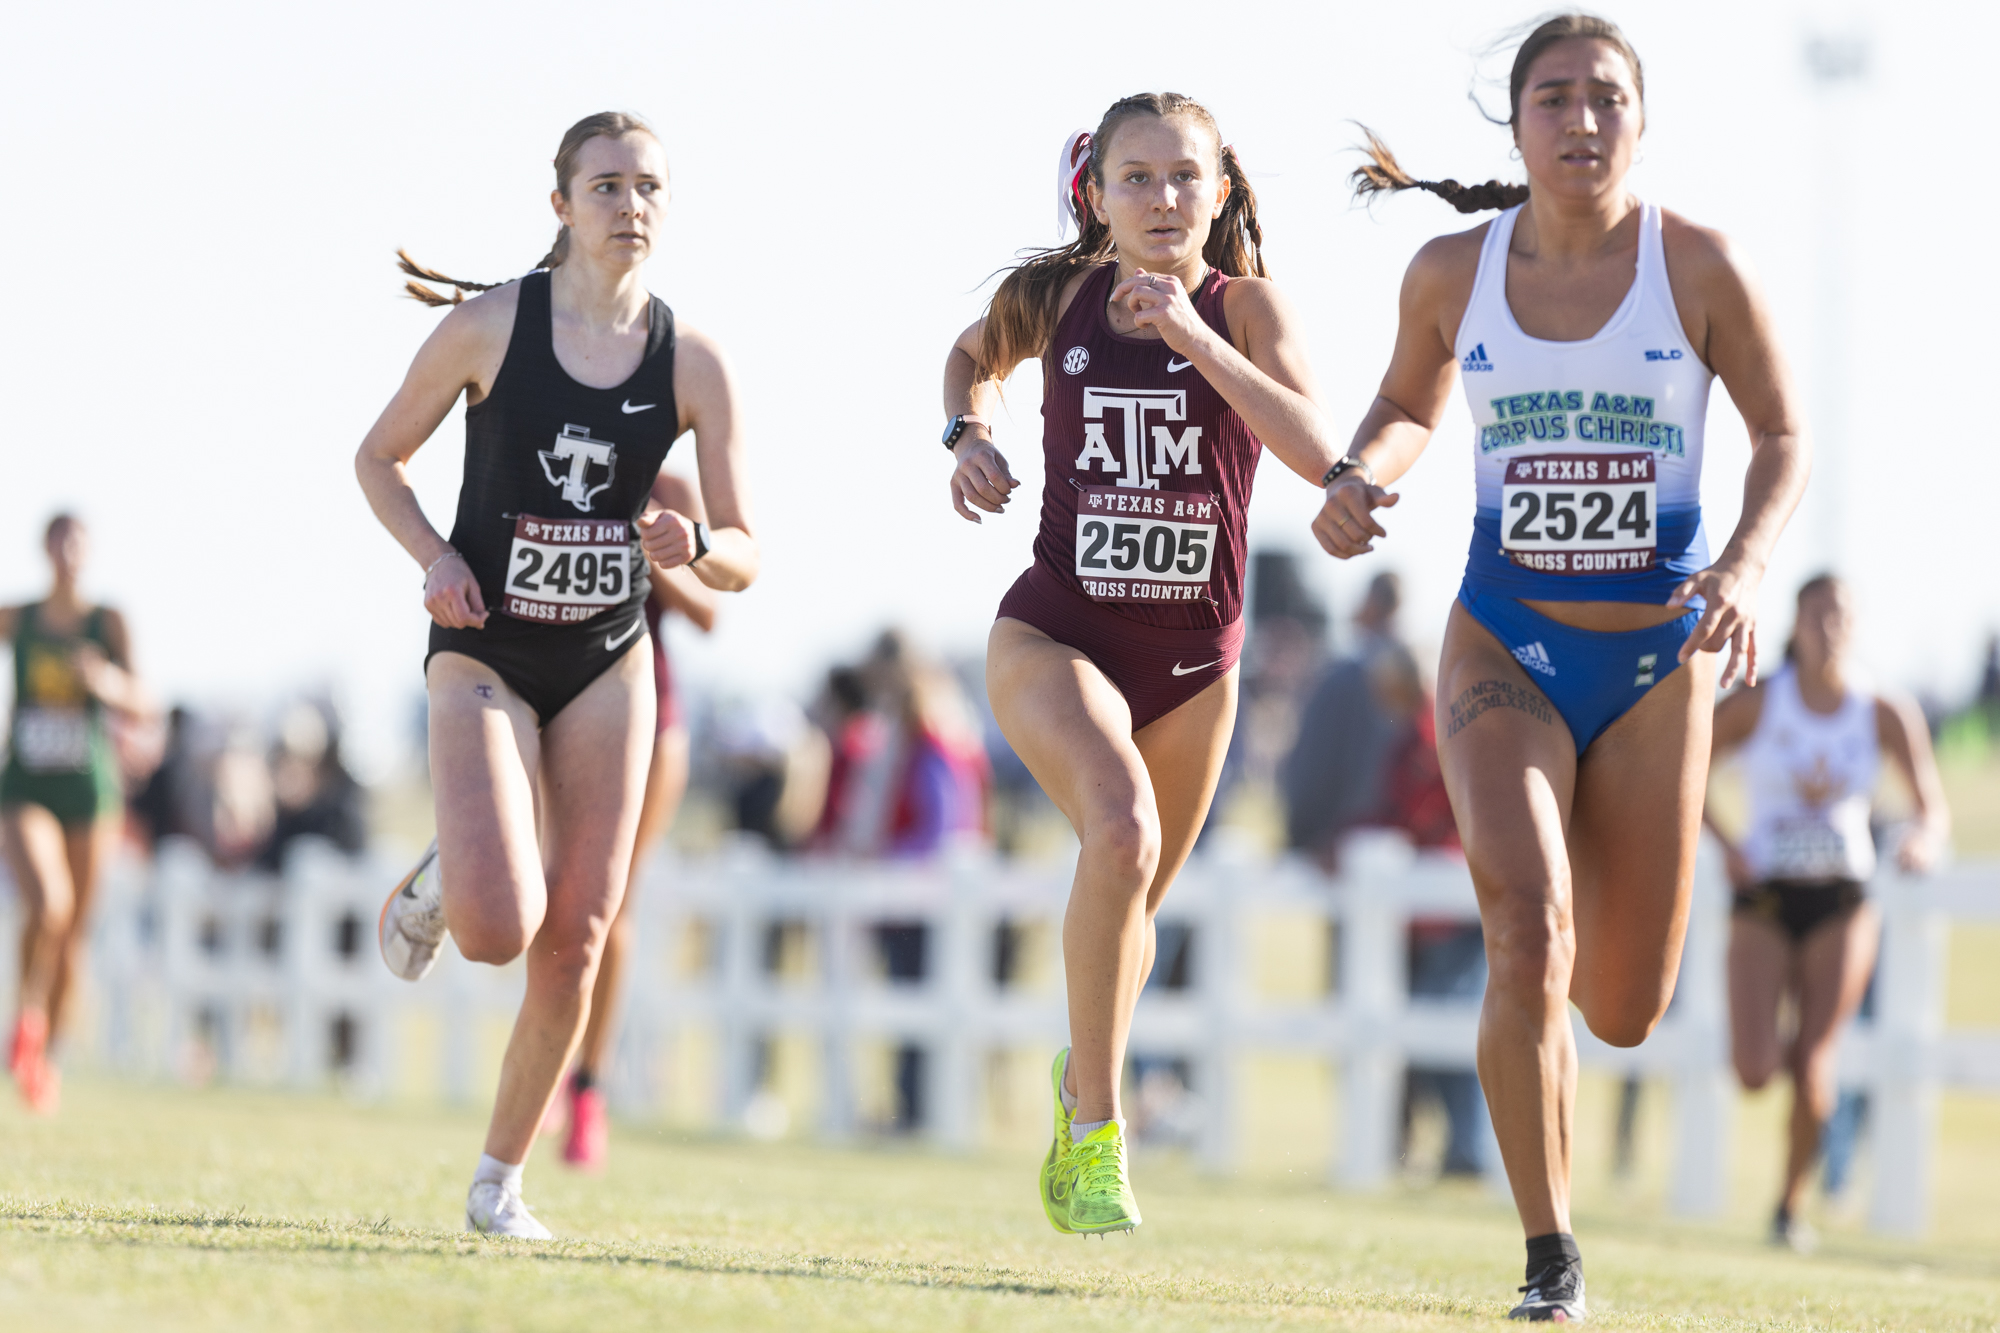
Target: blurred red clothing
{"points": [[1413, 794]]}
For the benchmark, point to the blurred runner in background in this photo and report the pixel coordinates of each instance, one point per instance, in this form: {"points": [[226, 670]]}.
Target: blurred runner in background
{"points": [[62, 796], [666, 782], [1810, 741]]}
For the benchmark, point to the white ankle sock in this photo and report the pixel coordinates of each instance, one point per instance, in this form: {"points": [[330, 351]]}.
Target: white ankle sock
{"points": [[1062, 1086], [494, 1171], [1082, 1129]]}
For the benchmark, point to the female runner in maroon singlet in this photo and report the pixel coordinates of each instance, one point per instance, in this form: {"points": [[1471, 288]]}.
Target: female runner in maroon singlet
{"points": [[1166, 358]]}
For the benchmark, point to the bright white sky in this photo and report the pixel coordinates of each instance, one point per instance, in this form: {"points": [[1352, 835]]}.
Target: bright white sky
{"points": [[207, 198]]}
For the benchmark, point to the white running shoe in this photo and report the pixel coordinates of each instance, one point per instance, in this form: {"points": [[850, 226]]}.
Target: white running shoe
{"points": [[411, 930], [494, 1209]]}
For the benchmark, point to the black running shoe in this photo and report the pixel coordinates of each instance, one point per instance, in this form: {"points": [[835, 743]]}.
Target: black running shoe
{"points": [[1555, 1295]]}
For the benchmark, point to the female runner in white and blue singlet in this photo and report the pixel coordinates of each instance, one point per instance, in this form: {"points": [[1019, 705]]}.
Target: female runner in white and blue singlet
{"points": [[1578, 670]]}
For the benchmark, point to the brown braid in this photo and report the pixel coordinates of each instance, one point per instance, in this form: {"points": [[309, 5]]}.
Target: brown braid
{"points": [[1382, 174]]}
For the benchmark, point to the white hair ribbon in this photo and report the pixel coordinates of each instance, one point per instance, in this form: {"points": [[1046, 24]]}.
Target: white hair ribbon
{"points": [[1071, 203]]}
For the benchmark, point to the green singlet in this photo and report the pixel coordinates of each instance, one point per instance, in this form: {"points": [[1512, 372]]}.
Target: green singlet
{"points": [[58, 753]]}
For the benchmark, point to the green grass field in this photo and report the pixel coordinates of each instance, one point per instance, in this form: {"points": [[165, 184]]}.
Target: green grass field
{"points": [[153, 1208]]}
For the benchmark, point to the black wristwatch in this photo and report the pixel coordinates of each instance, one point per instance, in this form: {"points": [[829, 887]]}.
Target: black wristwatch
{"points": [[1348, 464], [700, 541], [956, 427]]}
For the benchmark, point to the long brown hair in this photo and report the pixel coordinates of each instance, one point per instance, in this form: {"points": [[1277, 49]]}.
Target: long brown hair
{"points": [[610, 125], [1022, 315], [1382, 174]]}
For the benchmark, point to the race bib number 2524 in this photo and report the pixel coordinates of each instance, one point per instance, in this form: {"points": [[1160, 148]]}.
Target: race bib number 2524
{"points": [[562, 571], [1145, 546], [1580, 513]]}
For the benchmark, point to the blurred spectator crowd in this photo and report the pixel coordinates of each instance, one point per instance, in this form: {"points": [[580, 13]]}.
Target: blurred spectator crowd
{"points": [[244, 791]]}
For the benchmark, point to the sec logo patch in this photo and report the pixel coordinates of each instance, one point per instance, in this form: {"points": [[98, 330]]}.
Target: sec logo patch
{"points": [[1075, 359]]}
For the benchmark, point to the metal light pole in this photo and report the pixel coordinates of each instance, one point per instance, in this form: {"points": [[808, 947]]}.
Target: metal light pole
{"points": [[1838, 64]]}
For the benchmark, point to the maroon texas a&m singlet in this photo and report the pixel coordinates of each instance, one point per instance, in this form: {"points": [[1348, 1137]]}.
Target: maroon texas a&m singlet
{"points": [[1147, 470]]}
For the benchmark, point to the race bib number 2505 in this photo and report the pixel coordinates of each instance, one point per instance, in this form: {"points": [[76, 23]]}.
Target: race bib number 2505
{"points": [[1145, 546], [561, 572], [1580, 513]]}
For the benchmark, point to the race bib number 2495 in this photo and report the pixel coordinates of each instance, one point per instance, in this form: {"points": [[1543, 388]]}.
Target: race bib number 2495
{"points": [[562, 571]]}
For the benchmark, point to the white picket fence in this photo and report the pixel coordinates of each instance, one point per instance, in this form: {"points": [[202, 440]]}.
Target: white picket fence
{"points": [[278, 981]]}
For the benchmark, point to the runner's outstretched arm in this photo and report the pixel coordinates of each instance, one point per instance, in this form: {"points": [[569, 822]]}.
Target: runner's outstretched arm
{"points": [[709, 408], [982, 475], [1408, 407], [471, 335], [1741, 346], [1905, 737]]}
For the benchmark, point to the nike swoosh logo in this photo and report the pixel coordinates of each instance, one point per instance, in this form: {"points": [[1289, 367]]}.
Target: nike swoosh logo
{"points": [[1180, 670], [627, 408], [1173, 365], [611, 645]]}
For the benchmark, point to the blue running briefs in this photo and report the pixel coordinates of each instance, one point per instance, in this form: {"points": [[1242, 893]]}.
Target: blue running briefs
{"points": [[1591, 677]]}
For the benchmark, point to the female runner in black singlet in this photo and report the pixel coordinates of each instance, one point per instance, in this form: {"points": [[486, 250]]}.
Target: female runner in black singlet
{"points": [[540, 672], [1167, 357]]}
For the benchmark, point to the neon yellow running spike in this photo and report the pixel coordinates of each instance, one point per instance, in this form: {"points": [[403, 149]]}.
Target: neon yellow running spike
{"points": [[1099, 1197], [1055, 1198]]}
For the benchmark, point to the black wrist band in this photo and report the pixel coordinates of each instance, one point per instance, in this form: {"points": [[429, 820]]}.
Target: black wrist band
{"points": [[1347, 464], [700, 541]]}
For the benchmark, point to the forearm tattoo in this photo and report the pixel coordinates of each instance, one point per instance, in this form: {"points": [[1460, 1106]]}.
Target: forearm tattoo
{"points": [[1486, 694]]}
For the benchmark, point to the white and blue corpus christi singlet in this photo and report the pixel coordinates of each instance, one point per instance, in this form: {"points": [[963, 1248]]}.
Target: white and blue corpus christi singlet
{"points": [[1588, 453]]}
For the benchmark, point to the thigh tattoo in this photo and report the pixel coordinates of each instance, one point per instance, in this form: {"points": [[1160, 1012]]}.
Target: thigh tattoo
{"points": [[1488, 694]]}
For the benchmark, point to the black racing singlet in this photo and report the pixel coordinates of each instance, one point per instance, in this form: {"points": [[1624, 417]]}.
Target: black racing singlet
{"points": [[555, 474]]}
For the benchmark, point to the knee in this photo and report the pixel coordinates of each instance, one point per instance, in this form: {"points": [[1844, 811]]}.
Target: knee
{"points": [[50, 918], [1127, 840], [618, 935], [488, 940], [567, 953], [1754, 1068], [1625, 1021], [1529, 951], [1814, 1075], [1621, 1004]]}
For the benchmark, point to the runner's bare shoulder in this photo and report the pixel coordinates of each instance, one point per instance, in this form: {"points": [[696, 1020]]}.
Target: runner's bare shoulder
{"points": [[1445, 266], [702, 380]]}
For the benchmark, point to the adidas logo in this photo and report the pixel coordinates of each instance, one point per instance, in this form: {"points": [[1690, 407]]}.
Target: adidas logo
{"points": [[1476, 360], [1535, 658]]}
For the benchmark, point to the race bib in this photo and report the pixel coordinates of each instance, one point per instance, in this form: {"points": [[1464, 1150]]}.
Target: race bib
{"points": [[1145, 546], [1580, 513], [52, 740], [561, 572], [1807, 849]]}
